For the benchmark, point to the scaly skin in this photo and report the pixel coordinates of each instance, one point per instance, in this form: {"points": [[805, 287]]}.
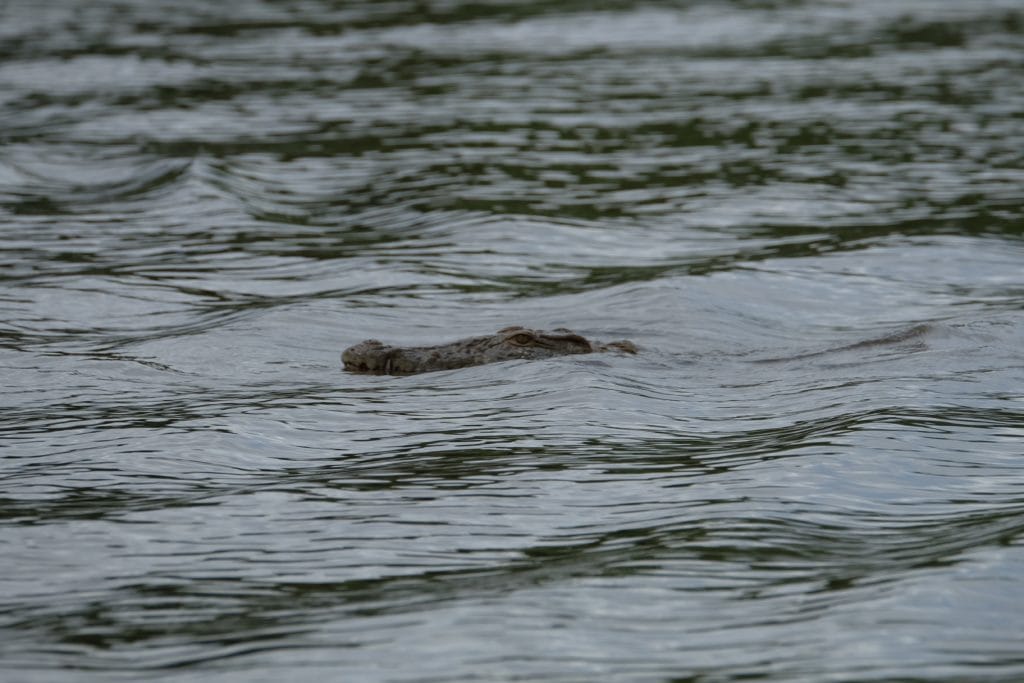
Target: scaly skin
{"points": [[374, 357]]}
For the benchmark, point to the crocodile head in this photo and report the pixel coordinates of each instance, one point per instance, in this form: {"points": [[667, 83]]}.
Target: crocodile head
{"points": [[372, 356]]}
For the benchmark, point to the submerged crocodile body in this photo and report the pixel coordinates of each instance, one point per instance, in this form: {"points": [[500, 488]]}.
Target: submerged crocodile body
{"points": [[374, 357]]}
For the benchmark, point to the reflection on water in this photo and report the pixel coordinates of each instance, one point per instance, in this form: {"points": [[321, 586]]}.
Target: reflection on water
{"points": [[202, 205]]}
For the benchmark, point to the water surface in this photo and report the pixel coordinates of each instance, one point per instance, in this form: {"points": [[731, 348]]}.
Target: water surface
{"points": [[202, 205]]}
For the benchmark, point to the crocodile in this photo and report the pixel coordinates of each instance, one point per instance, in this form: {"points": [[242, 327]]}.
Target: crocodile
{"points": [[375, 357]]}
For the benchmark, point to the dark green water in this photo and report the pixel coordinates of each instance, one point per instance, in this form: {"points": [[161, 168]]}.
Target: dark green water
{"points": [[202, 204]]}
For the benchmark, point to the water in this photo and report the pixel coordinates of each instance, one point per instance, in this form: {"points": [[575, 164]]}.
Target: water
{"points": [[202, 204]]}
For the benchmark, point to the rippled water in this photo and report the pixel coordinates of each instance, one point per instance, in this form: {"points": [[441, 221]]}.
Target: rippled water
{"points": [[201, 204]]}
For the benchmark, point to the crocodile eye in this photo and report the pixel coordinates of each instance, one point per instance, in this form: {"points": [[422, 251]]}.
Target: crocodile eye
{"points": [[522, 339]]}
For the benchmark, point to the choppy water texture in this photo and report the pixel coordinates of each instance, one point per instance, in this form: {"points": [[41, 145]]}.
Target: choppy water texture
{"points": [[202, 204]]}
